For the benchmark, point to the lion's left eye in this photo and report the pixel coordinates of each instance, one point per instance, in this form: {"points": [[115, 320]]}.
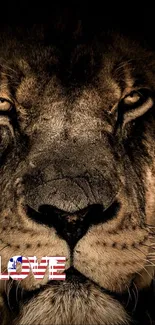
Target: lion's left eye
{"points": [[5, 105]]}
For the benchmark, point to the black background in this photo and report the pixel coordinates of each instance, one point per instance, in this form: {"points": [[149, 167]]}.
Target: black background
{"points": [[136, 19]]}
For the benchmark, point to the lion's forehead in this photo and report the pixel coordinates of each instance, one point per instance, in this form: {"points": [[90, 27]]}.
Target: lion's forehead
{"points": [[50, 104], [89, 78]]}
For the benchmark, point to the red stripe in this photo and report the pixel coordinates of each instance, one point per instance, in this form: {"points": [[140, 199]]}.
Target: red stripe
{"points": [[26, 273], [55, 273], [39, 273], [36, 261], [22, 273], [39, 267]]}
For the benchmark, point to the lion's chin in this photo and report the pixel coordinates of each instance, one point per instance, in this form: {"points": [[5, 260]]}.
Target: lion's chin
{"points": [[73, 302]]}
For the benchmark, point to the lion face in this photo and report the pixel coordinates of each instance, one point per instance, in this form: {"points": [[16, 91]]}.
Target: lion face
{"points": [[77, 174]]}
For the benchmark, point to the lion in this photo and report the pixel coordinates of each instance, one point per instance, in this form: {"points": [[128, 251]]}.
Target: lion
{"points": [[77, 129]]}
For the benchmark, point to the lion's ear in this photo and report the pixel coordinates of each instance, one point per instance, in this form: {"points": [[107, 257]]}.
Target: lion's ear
{"points": [[135, 104]]}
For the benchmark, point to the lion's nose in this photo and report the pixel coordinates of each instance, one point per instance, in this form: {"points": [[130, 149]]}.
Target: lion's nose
{"points": [[73, 226]]}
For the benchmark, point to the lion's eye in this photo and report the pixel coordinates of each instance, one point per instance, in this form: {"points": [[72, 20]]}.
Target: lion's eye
{"points": [[5, 105], [136, 98], [132, 98], [135, 104]]}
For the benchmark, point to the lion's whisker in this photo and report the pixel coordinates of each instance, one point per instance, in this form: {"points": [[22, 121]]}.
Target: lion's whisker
{"points": [[135, 292], [17, 291], [129, 295], [4, 247], [9, 286], [151, 322], [143, 266]]}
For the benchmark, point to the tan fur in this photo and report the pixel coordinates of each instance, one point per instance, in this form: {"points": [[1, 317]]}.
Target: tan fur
{"points": [[73, 304]]}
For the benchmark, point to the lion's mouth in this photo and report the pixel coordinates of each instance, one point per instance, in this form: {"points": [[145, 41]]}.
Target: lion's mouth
{"points": [[74, 280], [15, 294]]}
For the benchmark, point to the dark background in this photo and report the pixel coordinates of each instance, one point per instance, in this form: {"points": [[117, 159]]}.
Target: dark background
{"points": [[135, 19]]}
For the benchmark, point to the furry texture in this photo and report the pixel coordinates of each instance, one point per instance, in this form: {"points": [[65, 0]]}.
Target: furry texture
{"points": [[77, 145]]}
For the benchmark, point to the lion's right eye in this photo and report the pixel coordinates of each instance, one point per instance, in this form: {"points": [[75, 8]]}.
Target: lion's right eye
{"points": [[5, 105]]}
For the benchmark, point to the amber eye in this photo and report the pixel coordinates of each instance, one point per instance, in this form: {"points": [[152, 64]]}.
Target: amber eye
{"points": [[135, 104], [132, 98], [5, 105], [136, 98]]}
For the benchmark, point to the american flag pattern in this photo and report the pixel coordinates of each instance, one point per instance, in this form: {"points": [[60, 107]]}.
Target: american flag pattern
{"points": [[55, 265]]}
